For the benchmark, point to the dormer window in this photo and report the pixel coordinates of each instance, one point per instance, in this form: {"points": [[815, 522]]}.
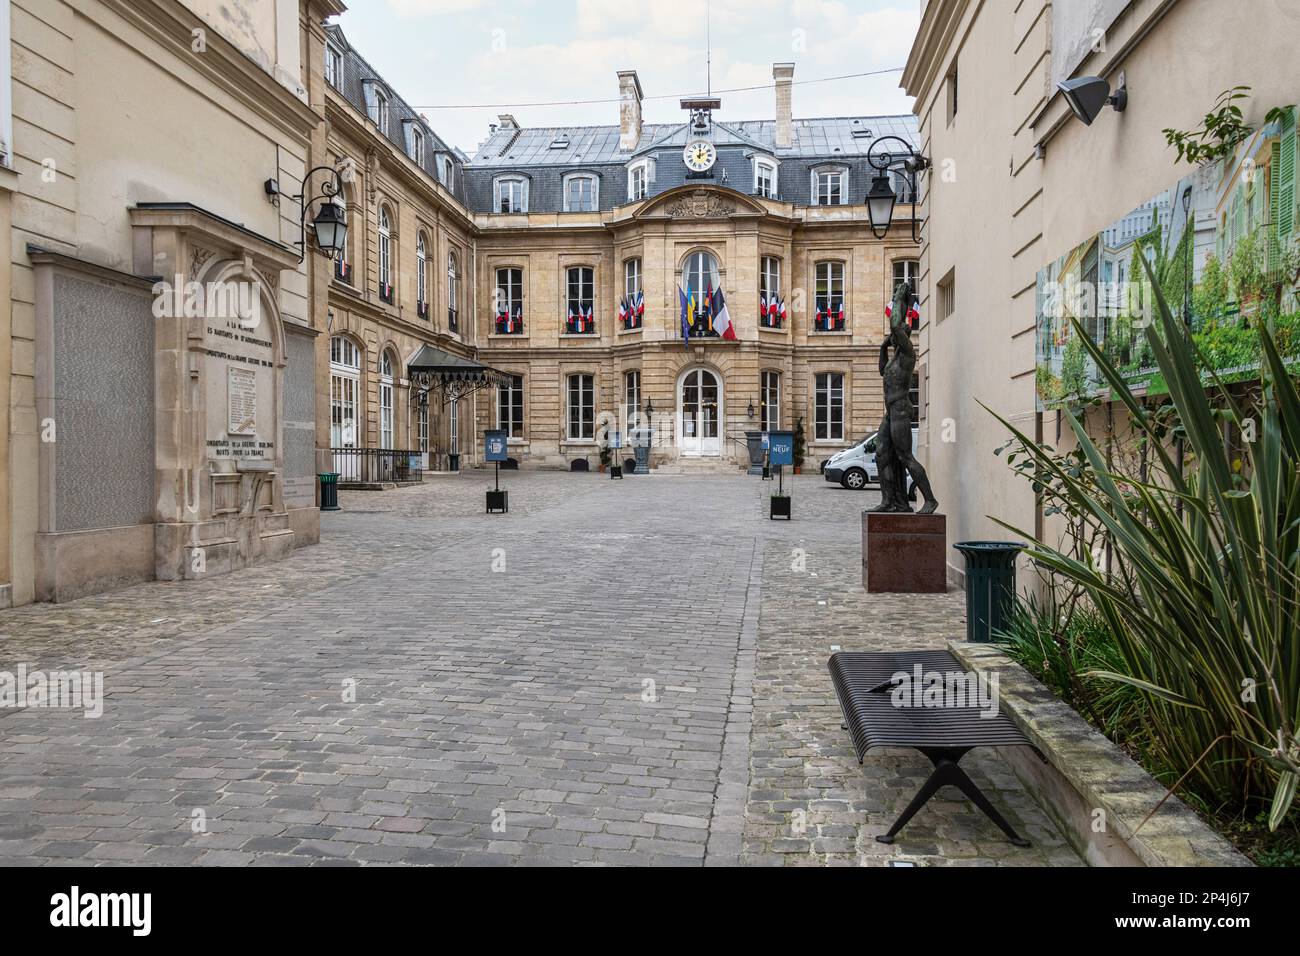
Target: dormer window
{"points": [[333, 66], [448, 173], [511, 195], [581, 193], [830, 186], [639, 176], [764, 178], [377, 105], [417, 145]]}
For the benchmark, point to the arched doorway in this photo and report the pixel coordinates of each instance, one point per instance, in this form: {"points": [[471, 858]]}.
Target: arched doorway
{"points": [[699, 413]]}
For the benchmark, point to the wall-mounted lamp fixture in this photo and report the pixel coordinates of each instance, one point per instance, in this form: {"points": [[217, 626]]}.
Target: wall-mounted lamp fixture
{"points": [[1086, 96], [750, 411], [330, 224], [881, 197], [649, 409]]}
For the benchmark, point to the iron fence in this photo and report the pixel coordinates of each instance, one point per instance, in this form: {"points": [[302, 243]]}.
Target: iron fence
{"points": [[373, 465]]}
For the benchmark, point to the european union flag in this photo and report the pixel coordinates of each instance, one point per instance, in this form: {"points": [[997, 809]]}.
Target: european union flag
{"points": [[686, 324]]}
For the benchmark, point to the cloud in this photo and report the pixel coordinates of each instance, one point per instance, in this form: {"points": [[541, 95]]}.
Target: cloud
{"points": [[521, 51], [428, 8]]}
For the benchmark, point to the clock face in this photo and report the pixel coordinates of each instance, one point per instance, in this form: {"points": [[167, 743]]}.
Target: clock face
{"points": [[699, 155]]}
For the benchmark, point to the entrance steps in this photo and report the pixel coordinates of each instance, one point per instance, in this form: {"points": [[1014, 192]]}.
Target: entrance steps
{"points": [[697, 466]]}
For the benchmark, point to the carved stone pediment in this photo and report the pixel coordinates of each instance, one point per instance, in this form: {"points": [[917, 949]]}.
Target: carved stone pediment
{"points": [[701, 204]]}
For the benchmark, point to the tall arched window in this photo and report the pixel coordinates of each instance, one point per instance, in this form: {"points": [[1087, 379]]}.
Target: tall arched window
{"points": [[453, 277], [700, 279], [385, 400], [421, 276], [385, 255]]}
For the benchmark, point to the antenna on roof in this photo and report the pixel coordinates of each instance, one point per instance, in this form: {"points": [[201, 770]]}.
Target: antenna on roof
{"points": [[708, 41]]}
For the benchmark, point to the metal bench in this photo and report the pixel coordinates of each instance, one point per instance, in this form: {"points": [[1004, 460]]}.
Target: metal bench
{"points": [[864, 682]]}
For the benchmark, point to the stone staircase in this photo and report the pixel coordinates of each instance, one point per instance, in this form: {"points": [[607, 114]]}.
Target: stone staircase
{"points": [[697, 466]]}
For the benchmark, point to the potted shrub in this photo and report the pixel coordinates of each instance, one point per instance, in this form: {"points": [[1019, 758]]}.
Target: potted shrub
{"points": [[799, 447], [605, 457]]}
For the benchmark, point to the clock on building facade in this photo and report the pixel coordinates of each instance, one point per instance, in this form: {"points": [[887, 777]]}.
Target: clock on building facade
{"points": [[699, 156]]}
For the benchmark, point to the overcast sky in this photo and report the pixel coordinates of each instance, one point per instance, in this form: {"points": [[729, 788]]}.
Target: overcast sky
{"points": [[496, 52]]}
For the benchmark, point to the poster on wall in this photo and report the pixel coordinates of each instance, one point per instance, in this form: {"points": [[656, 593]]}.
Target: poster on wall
{"points": [[1223, 243]]}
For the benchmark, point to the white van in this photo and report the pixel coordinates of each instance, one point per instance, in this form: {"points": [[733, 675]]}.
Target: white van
{"points": [[855, 467]]}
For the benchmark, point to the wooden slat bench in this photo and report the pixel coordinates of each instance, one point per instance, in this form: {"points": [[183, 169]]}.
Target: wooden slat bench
{"points": [[864, 681]]}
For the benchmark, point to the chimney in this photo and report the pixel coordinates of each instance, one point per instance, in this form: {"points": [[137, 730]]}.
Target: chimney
{"points": [[507, 121], [629, 110], [783, 73]]}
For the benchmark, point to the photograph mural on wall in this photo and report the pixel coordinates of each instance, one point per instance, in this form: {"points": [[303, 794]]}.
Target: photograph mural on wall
{"points": [[1224, 247]]}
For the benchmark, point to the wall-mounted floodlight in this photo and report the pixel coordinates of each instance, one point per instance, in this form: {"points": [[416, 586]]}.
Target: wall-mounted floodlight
{"points": [[1088, 94]]}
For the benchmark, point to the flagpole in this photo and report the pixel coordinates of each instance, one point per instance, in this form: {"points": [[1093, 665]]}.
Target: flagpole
{"points": [[708, 16]]}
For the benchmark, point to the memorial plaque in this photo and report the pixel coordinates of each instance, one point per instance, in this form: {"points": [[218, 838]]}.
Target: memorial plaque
{"points": [[241, 403]]}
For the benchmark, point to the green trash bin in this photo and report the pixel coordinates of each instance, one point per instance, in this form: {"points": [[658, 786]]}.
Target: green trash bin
{"points": [[990, 586], [329, 491]]}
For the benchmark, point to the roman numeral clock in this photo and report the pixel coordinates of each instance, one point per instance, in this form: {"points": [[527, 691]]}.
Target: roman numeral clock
{"points": [[699, 155]]}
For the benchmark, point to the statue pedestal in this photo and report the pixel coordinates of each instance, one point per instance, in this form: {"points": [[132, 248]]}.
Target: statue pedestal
{"points": [[904, 553]]}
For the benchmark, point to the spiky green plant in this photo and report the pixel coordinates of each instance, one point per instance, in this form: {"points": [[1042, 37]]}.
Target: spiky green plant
{"points": [[1206, 613]]}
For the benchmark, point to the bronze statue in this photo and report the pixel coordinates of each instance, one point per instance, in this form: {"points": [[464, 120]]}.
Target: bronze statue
{"points": [[894, 457]]}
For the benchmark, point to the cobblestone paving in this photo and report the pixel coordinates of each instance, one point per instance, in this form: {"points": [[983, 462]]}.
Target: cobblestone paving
{"points": [[644, 682]]}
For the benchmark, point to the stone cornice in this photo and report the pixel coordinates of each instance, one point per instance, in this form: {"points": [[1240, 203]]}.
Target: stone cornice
{"points": [[933, 41], [42, 257], [267, 254]]}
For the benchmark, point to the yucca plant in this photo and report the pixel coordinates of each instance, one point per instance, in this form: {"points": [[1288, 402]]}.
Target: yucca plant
{"points": [[1206, 608]]}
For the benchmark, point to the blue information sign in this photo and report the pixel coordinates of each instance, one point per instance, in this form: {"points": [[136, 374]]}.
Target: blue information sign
{"points": [[494, 442], [781, 448], [615, 439]]}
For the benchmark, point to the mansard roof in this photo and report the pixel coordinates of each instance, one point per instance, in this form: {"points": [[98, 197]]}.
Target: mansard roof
{"points": [[356, 74], [822, 138]]}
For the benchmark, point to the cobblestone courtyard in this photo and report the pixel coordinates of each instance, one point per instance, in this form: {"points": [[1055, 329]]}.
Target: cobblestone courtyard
{"points": [[616, 672]]}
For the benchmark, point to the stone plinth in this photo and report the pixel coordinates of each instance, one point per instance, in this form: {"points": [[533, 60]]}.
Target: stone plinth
{"points": [[904, 553]]}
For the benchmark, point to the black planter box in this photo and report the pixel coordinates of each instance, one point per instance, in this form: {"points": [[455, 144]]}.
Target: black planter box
{"points": [[780, 507], [616, 471], [498, 501]]}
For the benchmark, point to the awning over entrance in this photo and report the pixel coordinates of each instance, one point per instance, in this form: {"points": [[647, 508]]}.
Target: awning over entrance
{"points": [[454, 376]]}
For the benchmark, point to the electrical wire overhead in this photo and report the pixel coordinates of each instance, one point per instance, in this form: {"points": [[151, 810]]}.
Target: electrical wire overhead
{"points": [[661, 96]]}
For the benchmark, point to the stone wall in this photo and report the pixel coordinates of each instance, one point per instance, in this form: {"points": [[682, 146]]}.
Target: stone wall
{"points": [[101, 404]]}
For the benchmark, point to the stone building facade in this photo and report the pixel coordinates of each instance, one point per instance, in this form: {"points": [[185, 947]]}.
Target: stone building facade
{"points": [[405, 283], [585, 219], [489, 257], [156, 339], [182, 362], [1033, 183]]}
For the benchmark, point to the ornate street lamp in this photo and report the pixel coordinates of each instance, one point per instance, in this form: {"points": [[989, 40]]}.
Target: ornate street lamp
{"points": [[881, 198], [330, 224]]}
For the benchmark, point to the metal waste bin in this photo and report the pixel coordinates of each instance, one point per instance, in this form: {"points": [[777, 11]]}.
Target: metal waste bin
{"points": [[329, 491], [990, 586]]}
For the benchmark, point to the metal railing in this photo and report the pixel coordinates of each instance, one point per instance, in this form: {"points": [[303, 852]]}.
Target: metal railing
{"points": [[374, 465]]}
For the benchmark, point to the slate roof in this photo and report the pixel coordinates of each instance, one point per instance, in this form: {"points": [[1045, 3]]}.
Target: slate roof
{"points": [[596, 145], [356, 73]]}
